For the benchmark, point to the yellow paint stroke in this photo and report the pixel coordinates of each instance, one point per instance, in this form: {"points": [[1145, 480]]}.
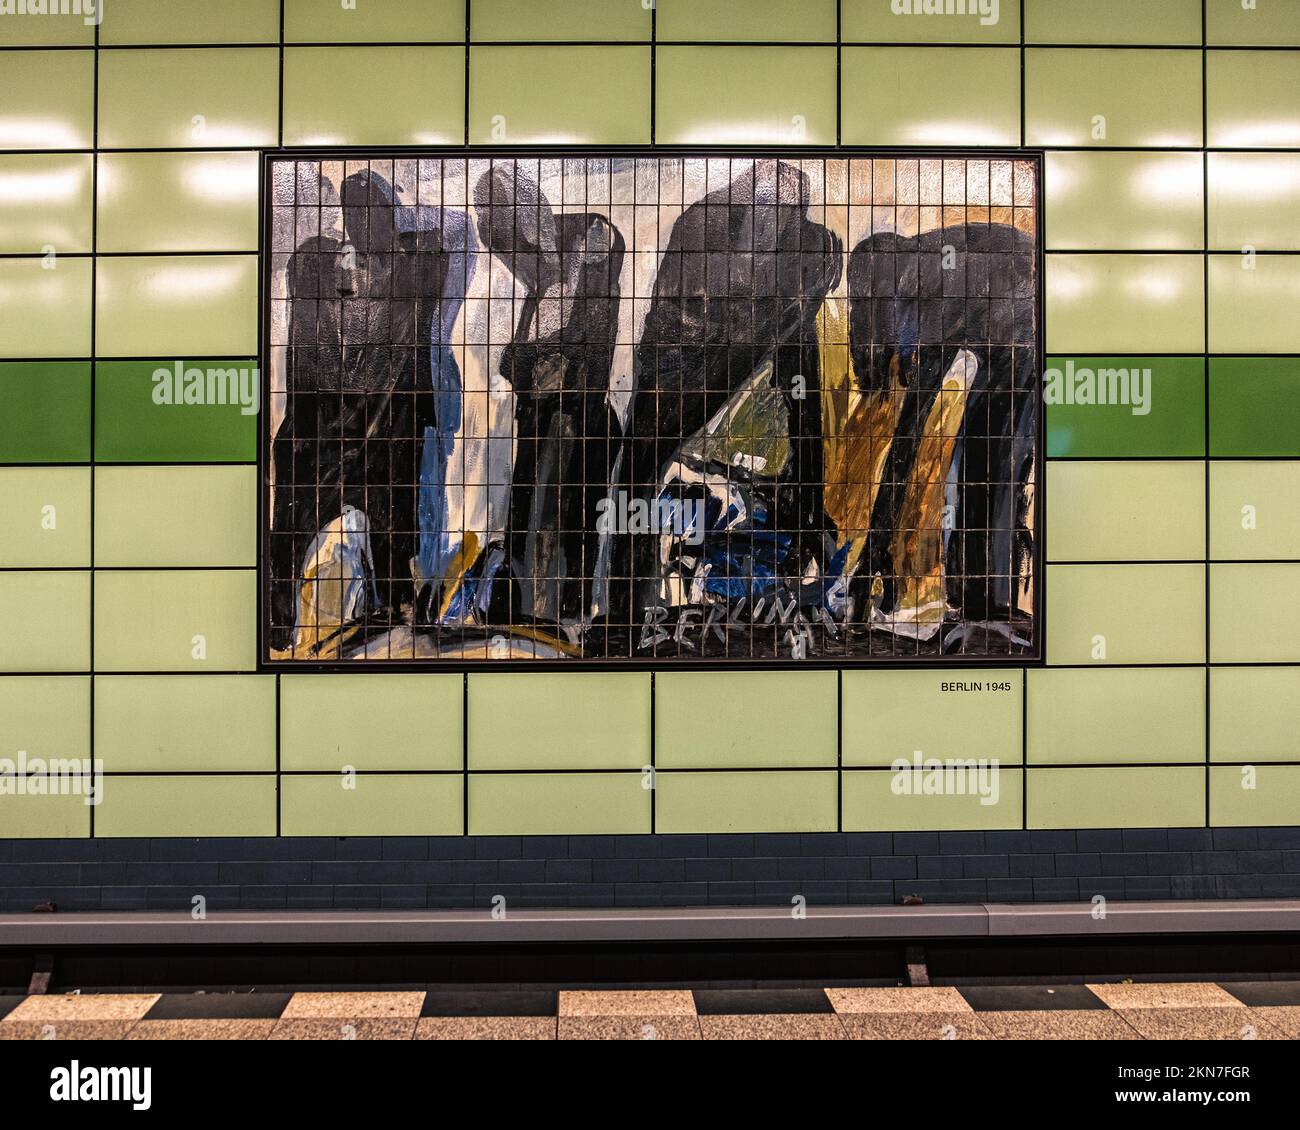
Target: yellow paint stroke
{"points": [[545, 637], [917, 544], [465, 557], [322, 642], [858, 430]]}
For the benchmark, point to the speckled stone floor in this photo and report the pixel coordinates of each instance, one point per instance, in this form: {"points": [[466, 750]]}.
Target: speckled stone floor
{"points": [[1260, 1010]]}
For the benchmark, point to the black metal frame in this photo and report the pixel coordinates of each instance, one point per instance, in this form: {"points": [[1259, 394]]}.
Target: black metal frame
{"points": [[1034, 658]]}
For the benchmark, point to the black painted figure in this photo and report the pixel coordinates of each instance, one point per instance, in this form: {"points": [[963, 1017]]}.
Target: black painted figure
{"points": [[358, 401], [914, 304], [739, 285], [558, 363]]}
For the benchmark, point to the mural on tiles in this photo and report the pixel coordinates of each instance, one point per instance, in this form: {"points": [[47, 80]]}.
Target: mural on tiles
{"points": [[651, 408]]}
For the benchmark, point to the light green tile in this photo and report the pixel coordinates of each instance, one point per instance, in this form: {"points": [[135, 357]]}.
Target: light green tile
{"points": [[177, 201], [1125, 303], [187, 806], [1126, 510], [45, 202], [562, 720], [371, 722], [734, 719], [525, 95], [1113, 21], [558, 804], [185, 723], [1254, 613], [47, 99], [176, 306], [193, 21], [46, 715], [907, 21], [971, 712], [1255, 713], [375, 21], [47, 621], [784, 21], [1106, 717], [1255, 509], [44, 817], [884, 104], [180, 98], [1254, 796], [1253, 310], [162, 620], [46, 305], [881, 801], [417, 97], [175, 516], [374, 805], [1149, 99], [1264, 22], [1129, 797], [47, 517], [1253, 99], [1142, 614], [774, 801], [1254, 199], [745, 95], [71, 29], [1108, 201], [560, 19]]}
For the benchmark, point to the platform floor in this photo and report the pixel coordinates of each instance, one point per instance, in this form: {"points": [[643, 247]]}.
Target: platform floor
{"points": [[1263, 1010]]}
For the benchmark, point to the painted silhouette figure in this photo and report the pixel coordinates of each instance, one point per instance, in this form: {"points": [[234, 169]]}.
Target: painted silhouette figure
{"points": [[739, 286], [558, 363], [359, 400]]}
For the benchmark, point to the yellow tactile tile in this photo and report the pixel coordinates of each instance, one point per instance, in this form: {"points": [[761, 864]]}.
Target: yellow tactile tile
{"points": [[345, 1028], [486, 1028], [786, 1026], [83, 1006], [1175, 994], [635, 1002], [202, 1030], [629, 1028], [331, 1006], [1065, 1024], [898, 1000]]}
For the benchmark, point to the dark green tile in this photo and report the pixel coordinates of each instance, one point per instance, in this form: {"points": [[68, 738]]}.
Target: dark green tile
{"points": [[45, 412], [130, 426], [1173, 425], [1252, 406]]}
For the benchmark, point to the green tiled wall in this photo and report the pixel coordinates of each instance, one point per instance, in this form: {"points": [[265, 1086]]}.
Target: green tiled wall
{"points": [[128, 241]]}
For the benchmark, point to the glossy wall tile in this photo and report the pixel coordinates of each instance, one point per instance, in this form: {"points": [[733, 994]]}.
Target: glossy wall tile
{"points": [[129, 235]]}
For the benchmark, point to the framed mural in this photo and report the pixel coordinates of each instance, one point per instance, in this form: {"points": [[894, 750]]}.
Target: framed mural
{"points": [[651, 407]]}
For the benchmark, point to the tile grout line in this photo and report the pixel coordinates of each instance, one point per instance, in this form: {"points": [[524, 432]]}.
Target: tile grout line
{"points": [[279, 775], [654, 70], [467, 68], [94, 381], [1205, 383], [1042, 534], [464, 754]]}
